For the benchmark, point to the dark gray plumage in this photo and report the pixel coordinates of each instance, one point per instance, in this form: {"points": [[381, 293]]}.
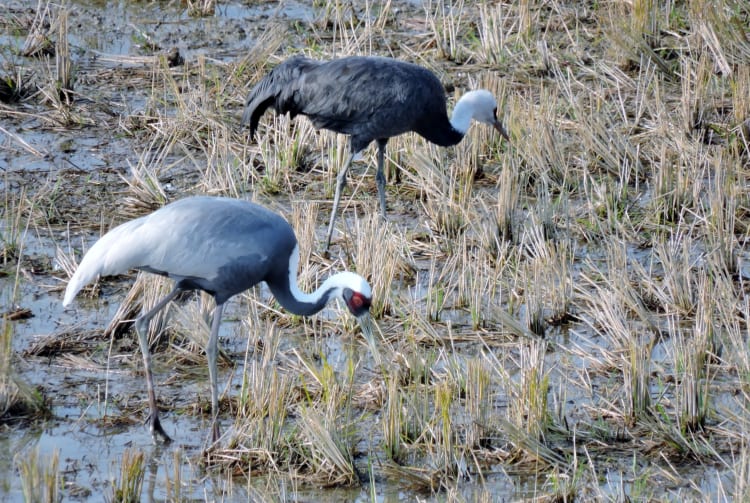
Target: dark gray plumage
{"points": [[221, 246], [370, 99]]}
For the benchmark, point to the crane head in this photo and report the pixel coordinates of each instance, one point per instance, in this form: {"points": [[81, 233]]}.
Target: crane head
{"points": [[485, 110], [357, 302], [358, 298], [479, 105]]}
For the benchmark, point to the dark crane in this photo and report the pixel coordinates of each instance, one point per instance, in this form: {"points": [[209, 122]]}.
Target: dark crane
{"points": [[370, 99], [221, 246]]}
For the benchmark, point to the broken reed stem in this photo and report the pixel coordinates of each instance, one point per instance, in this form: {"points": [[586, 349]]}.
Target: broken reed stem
{"points": [[41, 479], [326, 450], [127, 489], [478, 386], [636, 376], [201, 8], [393, 422], [62, 59]]}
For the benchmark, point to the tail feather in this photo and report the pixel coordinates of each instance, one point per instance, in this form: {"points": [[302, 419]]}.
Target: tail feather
{"points": [[275, 89], [110, 255], [259, 99]]}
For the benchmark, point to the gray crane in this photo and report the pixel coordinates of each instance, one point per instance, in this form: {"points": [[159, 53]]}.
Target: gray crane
{"points": [[370, 99], [222, 246]]}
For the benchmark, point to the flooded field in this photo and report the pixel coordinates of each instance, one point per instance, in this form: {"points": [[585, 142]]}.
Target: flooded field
{"points": [[561, 316]]}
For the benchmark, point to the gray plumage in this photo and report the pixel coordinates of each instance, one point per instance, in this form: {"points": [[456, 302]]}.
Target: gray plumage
{"points": [[221, 246], [370, 99]]}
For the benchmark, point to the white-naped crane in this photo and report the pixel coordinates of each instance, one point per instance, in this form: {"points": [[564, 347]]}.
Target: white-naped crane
{"points": [[222, 246], [370, 99]]}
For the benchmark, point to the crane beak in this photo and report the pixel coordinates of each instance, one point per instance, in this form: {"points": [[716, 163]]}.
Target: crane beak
{"points": [[366, 323], [500, 129]]}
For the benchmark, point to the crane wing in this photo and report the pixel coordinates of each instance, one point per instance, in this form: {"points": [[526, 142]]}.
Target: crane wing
{"points": [[275, 89], [198, 238], [369, 97]]}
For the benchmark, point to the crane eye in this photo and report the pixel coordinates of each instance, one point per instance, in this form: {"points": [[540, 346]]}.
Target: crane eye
{"points": [[358, 302]]}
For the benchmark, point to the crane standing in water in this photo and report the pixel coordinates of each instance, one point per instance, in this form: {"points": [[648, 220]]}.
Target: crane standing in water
{"points": [[221, 246]]}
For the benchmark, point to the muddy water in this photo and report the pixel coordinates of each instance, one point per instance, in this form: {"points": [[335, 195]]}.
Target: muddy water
{"points": [[85, 395], [97, 402], [84, 392]]}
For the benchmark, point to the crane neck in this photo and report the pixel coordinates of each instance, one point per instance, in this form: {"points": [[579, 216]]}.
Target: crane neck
{"points": [[287, 292], [463, 112], [444, 132]]}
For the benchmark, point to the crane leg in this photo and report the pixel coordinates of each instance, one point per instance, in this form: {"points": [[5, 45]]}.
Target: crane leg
{"points": [[380, 177], [211, 354], [340, 184], [141, 328]]}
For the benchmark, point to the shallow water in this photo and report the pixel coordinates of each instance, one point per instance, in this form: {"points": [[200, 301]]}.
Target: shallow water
{"points": [[98, 402]]}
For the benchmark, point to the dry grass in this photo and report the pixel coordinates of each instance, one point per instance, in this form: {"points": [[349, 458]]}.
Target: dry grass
{"points": [[571, 307], [41, 478], [127, 488], [18, 400]]}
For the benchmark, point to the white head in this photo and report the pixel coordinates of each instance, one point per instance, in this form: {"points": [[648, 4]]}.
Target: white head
{"points": [[355, 291], [482, 105], [479, 105]]}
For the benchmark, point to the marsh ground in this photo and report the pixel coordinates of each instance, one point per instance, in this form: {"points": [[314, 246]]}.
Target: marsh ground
{"points": [[564, 316]]}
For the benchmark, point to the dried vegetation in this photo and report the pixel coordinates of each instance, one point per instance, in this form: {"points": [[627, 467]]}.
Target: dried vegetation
{"points": [[571, 307]]}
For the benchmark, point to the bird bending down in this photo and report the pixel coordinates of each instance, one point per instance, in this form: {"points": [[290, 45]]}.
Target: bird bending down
{"points": [[370, 99], [221, 246]]}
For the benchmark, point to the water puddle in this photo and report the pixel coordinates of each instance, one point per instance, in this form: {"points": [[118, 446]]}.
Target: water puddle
{"points": [[97, 396]]}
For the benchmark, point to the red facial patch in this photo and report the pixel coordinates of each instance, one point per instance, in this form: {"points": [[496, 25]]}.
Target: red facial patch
{"points": [[358, 301]]}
